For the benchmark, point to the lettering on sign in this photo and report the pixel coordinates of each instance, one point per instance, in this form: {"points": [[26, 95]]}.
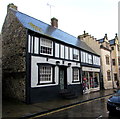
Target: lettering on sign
{"points": [[35, 27]]}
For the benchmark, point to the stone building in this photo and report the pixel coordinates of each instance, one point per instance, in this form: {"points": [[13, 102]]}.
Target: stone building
{"points": [[108, 50], [13, 56], [106, 66], [114, 43], [42, 62]]}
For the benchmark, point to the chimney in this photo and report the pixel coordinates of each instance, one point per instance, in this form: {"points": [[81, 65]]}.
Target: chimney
{"points": [[11, 5], [54, 22], [106, 36], [116, 36]]}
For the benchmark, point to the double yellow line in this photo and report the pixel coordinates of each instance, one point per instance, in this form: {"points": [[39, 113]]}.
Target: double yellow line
{"points": [[65, 108]]}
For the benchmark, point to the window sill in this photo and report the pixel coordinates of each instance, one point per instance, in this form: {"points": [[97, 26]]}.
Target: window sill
{"points": [[46, 83]]}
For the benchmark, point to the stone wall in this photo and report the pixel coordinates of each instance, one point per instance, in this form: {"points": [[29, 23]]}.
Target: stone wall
{"points": [[13, 57]]}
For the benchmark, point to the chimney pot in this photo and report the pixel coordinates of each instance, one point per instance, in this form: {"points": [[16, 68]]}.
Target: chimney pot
{"points": [[54, 22], [11, 5]]}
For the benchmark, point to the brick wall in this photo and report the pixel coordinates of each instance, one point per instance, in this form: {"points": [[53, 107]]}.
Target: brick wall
{"points": [[13, 57]]}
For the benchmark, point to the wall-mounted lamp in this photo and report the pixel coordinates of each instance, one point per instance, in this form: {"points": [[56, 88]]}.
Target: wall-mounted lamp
{"points": [[57, 62], [46, 59], [69, 64]]}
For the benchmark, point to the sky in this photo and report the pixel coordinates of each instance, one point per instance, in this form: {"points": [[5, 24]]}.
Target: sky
{"points": [[96, 17]]}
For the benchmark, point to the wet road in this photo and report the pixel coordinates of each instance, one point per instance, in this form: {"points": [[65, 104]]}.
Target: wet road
{"points": [[96, 109]]}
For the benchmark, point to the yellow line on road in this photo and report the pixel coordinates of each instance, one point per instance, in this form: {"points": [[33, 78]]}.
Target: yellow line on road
{"points": [[65, 108]]}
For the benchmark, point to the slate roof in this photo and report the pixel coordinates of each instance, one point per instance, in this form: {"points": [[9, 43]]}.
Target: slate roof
{"points": [[112, 42], [46, 29], [101, 40]]}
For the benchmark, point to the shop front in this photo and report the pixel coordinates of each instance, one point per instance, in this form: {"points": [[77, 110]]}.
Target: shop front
{"points": [[90, 79]]}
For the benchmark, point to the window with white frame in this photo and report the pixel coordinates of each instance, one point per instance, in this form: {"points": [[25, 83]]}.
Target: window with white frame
{"points": [[75, 74], [46, 46], [90, 59], [45, 74], [75, 54], [96, 60], [86, 57]]}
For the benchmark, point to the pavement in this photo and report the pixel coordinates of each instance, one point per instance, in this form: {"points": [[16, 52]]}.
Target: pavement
{"points": [[12, 108]]}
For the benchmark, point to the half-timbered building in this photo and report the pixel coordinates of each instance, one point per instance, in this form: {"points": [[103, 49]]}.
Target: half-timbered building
{"points": [[45, 62]]}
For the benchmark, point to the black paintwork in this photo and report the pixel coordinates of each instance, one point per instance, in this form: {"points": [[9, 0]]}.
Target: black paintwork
{"points": [[51, 92]]}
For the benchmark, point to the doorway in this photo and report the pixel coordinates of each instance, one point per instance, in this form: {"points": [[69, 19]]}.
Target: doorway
{"points": [[63, 77]]}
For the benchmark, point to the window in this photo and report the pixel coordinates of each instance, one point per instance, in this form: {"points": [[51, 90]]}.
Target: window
{"points": [[82, 56], [45, 74], [118, 47], [96, 60], [86, 57], [113, 61], [108, 76], [119, 61], [112, 48], [115, 77], [46, 46], [75, 74], [75, 54], [90, 59], [107, 60]]}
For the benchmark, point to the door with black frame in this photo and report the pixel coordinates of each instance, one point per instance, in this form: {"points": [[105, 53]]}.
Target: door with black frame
{"points": [[63, 77]]}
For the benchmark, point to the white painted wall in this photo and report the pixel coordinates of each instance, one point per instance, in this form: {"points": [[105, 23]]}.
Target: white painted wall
{"points": [[34, 70], [57, 50], [36, 44]]}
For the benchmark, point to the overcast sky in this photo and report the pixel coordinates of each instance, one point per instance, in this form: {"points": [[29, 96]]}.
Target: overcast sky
{"points": [[96, 17]]}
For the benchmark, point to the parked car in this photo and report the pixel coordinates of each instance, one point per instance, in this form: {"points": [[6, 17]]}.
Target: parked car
{"points": [[113, 104]]}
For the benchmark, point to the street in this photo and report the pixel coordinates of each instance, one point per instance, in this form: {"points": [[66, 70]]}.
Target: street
{"points": [[95, 108]]}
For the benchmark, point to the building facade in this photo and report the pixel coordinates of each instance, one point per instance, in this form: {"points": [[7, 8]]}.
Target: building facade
{"points": [[108, 50], [42, 62], [114, 43]]}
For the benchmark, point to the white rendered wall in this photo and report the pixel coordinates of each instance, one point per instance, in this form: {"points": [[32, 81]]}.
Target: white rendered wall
{"points": [[34, 70]]}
